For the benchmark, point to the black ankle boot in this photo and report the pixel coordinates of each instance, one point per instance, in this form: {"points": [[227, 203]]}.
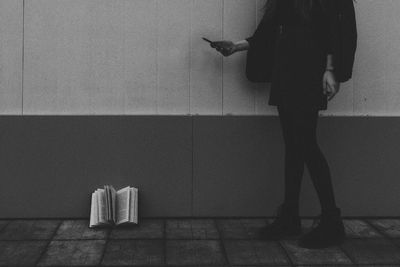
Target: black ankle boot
{"points": [[286, 224], [329, 231]]}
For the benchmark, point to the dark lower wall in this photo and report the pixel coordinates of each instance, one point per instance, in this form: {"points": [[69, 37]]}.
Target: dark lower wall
{"points": [[50, 165], [189, 165]]}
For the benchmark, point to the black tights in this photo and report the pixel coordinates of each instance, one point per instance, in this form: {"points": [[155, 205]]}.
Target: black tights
{"points": [[299, 133]]}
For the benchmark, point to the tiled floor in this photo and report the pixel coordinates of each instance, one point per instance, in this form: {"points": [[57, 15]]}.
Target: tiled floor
{"points": [[189, 242]]}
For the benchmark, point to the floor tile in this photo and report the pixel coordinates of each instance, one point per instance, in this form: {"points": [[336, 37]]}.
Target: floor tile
{"points": [[146, 229], [190, 242], [241, 228], [333, 265], [29, 230], [360, 229], [194, 252], [73, 252], [354, 228], [79, 229], [390, 227], [21, 253], [255, 252], [372, 251], [191, 229], [134, 252], [299, 255]]}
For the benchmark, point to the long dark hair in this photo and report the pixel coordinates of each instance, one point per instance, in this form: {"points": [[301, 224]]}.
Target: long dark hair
{"points": [[304, 7]]}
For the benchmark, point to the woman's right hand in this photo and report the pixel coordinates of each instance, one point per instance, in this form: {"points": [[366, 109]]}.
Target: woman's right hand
{"points": [[226, 48]]}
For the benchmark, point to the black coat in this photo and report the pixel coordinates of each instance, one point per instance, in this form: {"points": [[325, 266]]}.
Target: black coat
{"points": [[300, 55]]}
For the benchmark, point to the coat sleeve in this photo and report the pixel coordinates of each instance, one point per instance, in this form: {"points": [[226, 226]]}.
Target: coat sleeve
{"points": [[260, 32], [249, 39], [331, 24]]}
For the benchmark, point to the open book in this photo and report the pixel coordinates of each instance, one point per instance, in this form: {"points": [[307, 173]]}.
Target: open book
{"points": [[111, 207]]}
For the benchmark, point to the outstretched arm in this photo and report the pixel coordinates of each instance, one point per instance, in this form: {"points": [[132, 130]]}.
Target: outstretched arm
{"points": [[242, 45], [227, 48]]}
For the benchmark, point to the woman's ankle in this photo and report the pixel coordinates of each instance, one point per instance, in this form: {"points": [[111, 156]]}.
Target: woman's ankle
{"points": [[291, 208], [330, 209]]}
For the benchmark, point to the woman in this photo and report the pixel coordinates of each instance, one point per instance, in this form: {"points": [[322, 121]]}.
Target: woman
{"points": [[303, 81]]}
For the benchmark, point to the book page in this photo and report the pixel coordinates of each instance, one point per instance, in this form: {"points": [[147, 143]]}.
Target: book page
{"points": [[107, 203], [122, 204], [96, 208], [133, 215], [102, 206], [98, 204], [136, 218], [93, 211], [113, 203], [131, 205]]}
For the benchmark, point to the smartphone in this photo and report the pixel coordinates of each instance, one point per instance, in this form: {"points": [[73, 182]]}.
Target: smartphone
{"points": [[205, 39]]}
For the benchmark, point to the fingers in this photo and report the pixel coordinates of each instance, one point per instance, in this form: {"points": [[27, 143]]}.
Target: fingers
{"points": [[224, 51], [221, 50], [324, 87], [224, 47], [332, 91], [330, 97], [215, 45]]}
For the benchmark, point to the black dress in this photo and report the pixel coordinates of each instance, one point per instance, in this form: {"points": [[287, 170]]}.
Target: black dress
{"points": [[300, 58]]}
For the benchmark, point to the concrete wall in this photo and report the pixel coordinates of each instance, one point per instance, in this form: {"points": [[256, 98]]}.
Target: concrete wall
{"points": [[146, 57], [11, 51]]}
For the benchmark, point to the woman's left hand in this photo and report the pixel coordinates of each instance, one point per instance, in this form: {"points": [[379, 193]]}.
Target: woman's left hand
{"points": [[330, 85]]}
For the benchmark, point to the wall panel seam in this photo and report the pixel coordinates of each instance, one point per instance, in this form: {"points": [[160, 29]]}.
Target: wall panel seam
{"points": [[192, 165], [23, 57], [223, 61], [255, 94], [190, 51], [157, 60]]}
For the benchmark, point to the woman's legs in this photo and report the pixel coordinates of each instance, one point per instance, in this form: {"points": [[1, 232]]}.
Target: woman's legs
{"points": [[294, 162], [299, 131]]}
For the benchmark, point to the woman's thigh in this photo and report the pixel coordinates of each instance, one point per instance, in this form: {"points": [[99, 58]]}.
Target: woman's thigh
{"points": [[305, 131], [286, 123], [298, 127]]}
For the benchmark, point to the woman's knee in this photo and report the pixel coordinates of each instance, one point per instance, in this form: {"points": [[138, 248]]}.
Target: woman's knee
{"points": [[305, 146]]}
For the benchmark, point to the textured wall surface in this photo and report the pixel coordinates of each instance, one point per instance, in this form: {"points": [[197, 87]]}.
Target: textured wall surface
{"points": [[146, 57], [11, 54], [136, 57], [50, 165]]}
